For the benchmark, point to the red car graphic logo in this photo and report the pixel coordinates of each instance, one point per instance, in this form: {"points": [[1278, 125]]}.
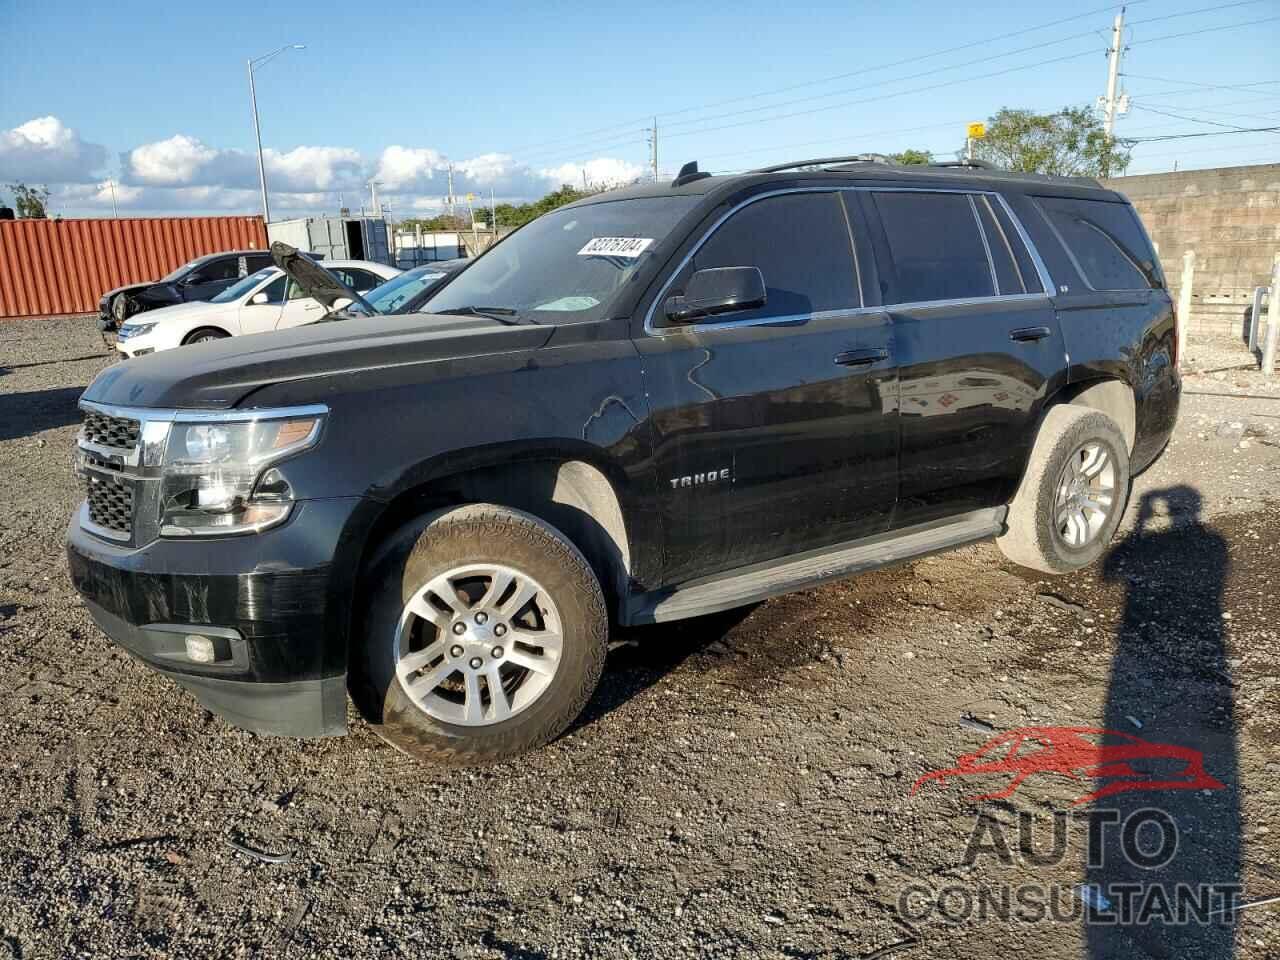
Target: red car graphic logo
{"points": [[1079, 753]]}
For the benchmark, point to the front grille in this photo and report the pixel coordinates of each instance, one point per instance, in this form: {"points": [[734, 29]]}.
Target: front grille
{"points": [[110, 501], [106, 431]]}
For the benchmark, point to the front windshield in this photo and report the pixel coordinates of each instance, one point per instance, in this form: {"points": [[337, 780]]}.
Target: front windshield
{"points": [[171, 277], [241, 287], [385, 297], [566, 266]]}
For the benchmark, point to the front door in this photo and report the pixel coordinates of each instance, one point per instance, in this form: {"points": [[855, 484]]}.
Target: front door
{"points": [[261, 317], [978, 345], [775, 428]]}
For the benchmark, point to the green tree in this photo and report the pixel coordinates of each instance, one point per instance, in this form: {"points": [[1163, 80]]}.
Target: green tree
{"points": [[912, 157], [1069, 143], [30, 202]]}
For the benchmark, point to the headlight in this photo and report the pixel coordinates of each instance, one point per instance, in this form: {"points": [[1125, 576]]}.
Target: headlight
{"points": [[219, 476], [135, 330]]}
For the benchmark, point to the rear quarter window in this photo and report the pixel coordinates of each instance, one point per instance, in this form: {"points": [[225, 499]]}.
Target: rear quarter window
{"points": [[1105, 242]]}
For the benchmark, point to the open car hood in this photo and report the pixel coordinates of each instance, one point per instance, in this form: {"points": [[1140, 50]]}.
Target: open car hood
{"points": [[316, 282]]}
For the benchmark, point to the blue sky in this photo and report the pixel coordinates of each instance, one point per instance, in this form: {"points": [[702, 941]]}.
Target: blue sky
{"points": [[153, 96]]}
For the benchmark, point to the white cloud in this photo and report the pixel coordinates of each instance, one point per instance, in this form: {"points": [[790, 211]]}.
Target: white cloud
{"points": [[601, 173], [184, 161], [183, 173], [45, 150]]}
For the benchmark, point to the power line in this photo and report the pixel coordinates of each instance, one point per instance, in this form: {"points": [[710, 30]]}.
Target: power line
{"points": [[1175, 116], [932, 87], [985, 41], [1189, 13], [1206, 86], [1203, 30], [1207, 133]]}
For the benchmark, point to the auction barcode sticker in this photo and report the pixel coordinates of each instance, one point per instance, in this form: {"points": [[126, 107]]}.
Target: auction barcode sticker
{"points": [[615, 247]]}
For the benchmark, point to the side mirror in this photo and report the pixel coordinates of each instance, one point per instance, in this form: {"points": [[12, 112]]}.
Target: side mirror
{"points": [[260, 297], [715, 291]]}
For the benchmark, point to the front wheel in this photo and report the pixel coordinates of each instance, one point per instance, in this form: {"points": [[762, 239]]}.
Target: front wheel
{"points": [[1072, 495], [485, 635], [205, 335]]}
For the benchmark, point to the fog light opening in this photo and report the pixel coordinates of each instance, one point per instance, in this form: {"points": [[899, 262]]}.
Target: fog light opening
{"points": [[200, 649]]}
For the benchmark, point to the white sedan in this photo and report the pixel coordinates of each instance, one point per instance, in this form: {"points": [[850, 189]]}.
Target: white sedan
{"points": [[263, 301]]}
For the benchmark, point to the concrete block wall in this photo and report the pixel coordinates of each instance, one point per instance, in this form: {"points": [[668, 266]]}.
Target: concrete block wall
{"points": [[1230, 217]]}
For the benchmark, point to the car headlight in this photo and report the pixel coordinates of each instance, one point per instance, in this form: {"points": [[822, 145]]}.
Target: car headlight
{"points": [[135, 330], [219, 476]]}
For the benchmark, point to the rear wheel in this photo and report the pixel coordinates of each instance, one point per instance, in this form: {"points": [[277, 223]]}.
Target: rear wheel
{"points": [[205, 335], [1072, 495], [485, 635]]}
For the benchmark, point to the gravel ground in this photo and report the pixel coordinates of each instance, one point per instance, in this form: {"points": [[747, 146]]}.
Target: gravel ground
{"points": [[741, 786]]}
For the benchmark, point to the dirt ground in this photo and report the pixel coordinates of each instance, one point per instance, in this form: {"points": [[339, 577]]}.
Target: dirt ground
{"points": [[741, 786]]}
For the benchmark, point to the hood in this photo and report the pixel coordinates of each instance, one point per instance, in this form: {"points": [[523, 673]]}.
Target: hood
{"points": [[221, 374], [128, 287], [316, 282], [180, 311]]}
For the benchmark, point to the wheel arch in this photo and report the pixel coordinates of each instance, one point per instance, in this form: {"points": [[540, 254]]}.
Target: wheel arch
{"points": [[190, 334], [1113, 397], [570, 489]]}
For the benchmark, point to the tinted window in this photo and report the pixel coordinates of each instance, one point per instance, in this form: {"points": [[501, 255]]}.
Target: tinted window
{"points": [[1026, 266], [801, 244], [226, 269], [935, 249], [1008, 272], [257, 261], [1105, 241], [358, 280]]}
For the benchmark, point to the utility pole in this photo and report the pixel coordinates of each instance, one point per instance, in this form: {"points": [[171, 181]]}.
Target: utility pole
{"points": [[1111, 107], [257, 130], [451, 212], [373, 198], [653, 147]]}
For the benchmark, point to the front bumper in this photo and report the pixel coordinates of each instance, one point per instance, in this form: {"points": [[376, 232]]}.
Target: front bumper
{"points": [[276, 606]]}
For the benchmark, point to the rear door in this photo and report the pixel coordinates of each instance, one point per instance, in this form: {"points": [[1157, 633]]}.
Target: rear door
{"points": [[775, 427], [298, 307], [977, 342]]}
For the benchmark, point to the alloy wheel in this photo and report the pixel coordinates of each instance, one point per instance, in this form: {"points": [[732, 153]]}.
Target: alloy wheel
{"points": [[478, 644], [1086, 495]]}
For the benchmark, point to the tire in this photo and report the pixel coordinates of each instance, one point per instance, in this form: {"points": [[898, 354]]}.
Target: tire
{"points": [[409, 679], [205, 335], [120, 308], [1036, 535]]}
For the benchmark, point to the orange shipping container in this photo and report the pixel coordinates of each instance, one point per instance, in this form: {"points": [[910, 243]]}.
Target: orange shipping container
{"points": [[50, 267]]}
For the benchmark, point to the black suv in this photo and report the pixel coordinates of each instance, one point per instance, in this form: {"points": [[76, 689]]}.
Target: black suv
{"points": [[654, 403], [201, 279]]}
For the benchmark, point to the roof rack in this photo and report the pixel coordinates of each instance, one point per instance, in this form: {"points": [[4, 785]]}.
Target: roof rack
{"points": [[975, 164], [828, 161]]}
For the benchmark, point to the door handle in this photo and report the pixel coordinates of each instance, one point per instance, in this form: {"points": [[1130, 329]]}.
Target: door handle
{"points": [[859, 358], [1029, 334]]}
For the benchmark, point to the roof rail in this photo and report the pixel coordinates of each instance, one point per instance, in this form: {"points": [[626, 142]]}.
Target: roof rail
{"points": [[975, 164], [828, 161]]}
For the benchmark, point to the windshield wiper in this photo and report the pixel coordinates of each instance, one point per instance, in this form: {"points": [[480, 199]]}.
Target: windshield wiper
{"points": [[491, 313]]}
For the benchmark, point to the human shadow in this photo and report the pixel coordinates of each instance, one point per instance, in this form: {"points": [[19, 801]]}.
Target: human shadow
{"points": [[1170, 674], [26, 414]]}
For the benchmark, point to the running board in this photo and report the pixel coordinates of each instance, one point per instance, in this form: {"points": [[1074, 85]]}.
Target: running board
{"points": [[760, 581]]}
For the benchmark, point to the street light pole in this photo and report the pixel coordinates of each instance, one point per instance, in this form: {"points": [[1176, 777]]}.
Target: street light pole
{"points": [[257, 130]]}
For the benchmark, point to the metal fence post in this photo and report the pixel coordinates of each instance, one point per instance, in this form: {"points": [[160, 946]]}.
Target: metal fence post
{"points": [[1273, 323], [1255, 317], [1184, 301]]}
